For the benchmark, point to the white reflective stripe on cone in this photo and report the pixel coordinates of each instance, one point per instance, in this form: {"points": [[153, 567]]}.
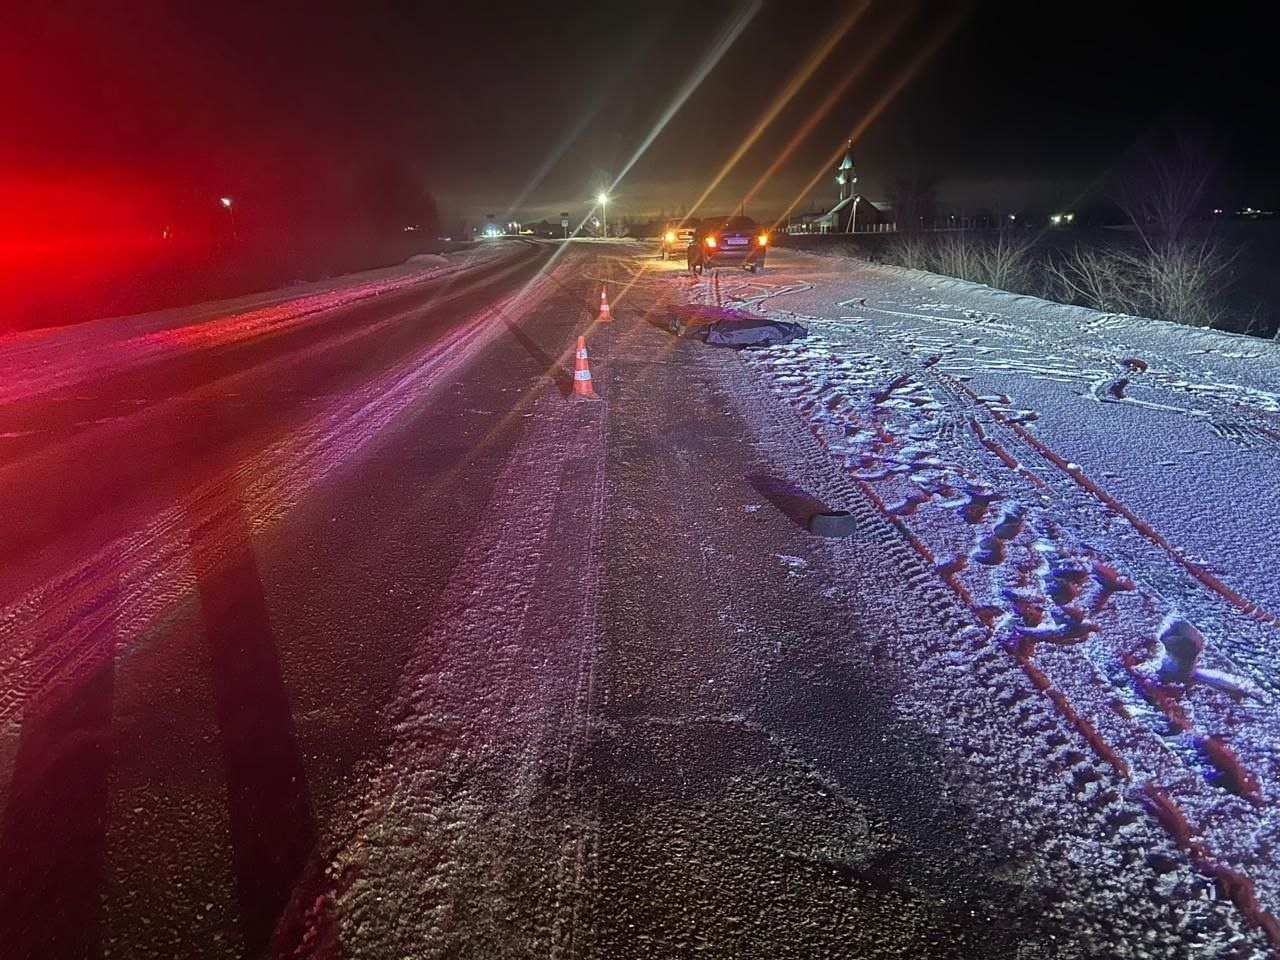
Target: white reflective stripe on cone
{"points": [[582, 374]]}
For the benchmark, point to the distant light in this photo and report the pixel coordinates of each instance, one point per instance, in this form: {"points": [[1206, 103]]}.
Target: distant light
{"points": [[602, 198], [1056, 218], [1217, 211], [1013, 216], [670, 236], [763, 239], [710, 241], [226, 202], [1070, 217]]}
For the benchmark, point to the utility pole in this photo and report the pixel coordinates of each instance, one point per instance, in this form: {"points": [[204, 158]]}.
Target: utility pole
{"points": [[229, 204]]}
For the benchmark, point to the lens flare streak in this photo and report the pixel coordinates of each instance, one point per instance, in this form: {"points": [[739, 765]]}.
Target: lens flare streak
{"points": [[798, 79], [905, 76]]}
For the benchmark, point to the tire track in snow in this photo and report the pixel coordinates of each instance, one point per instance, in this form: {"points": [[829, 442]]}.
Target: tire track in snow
{"points": [[882, 460], [1022, 352]]}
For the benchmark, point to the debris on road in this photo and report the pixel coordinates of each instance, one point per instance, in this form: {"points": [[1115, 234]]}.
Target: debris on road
{"points": [[837, 523]]}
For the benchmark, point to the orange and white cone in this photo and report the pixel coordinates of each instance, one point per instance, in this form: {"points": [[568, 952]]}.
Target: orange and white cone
{"points": [[605, 315], [582, 389]]}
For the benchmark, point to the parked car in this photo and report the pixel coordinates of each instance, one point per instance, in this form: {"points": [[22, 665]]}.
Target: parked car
{"points": [[736, 240], [676, 237]]}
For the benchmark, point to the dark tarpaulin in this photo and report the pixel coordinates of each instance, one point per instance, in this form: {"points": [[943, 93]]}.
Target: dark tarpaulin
{"points": [[752, 332]]}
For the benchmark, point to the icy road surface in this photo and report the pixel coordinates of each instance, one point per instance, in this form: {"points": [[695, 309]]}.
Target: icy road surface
{"points": [[330, 627]]}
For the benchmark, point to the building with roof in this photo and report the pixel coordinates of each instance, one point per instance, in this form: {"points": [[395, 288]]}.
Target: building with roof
{"points": [[852, 213]]}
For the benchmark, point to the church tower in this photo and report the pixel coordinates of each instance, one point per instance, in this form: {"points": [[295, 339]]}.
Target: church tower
{"points": [[845, 176]]}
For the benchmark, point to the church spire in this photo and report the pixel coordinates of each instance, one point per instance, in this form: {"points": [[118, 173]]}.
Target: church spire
{"points": [[845, 176]]}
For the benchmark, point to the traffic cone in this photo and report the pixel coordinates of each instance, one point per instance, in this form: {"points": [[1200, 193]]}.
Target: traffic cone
{"points": [[582, 388], [605, 315]]}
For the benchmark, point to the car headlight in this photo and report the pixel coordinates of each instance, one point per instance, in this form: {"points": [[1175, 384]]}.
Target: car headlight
{"points": [[763, 239], [710, 241], [670, 236]]}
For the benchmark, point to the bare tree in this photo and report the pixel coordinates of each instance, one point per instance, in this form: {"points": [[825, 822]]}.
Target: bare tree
{"points": [[911, 249], [1183, 281], [1162, 188], [1181, 272], [1004, 262], [1189, 279], [915, 200], [1106, 280], [1007, 263]]}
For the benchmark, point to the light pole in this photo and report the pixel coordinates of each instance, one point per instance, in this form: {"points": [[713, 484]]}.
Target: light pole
{"points": [[603, 200], [230, 208]]}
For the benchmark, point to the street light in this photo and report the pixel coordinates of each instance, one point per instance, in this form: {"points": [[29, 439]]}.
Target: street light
{"points": [[603, 199], [226, 203]]}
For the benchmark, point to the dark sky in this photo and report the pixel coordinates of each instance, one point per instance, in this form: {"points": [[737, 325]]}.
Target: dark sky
{"points": [[1021, 104]]}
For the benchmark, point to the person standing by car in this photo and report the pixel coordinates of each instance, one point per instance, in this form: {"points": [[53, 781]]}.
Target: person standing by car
{"points": [[676, 237]]}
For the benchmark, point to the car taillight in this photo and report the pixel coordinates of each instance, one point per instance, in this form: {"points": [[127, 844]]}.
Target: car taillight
{"points": [[763, 239], [710, 241], [671, 236]]}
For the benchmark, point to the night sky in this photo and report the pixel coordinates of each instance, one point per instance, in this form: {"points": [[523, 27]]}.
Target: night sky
{"points": [[536, 105]]}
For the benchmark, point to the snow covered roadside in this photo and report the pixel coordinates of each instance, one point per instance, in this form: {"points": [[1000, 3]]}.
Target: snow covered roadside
{"points": [[42, 361], [1097, 494]]}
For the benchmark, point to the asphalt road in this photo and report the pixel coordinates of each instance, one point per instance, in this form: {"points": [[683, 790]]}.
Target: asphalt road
{"points": [[353, 635], [216, 562]]}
